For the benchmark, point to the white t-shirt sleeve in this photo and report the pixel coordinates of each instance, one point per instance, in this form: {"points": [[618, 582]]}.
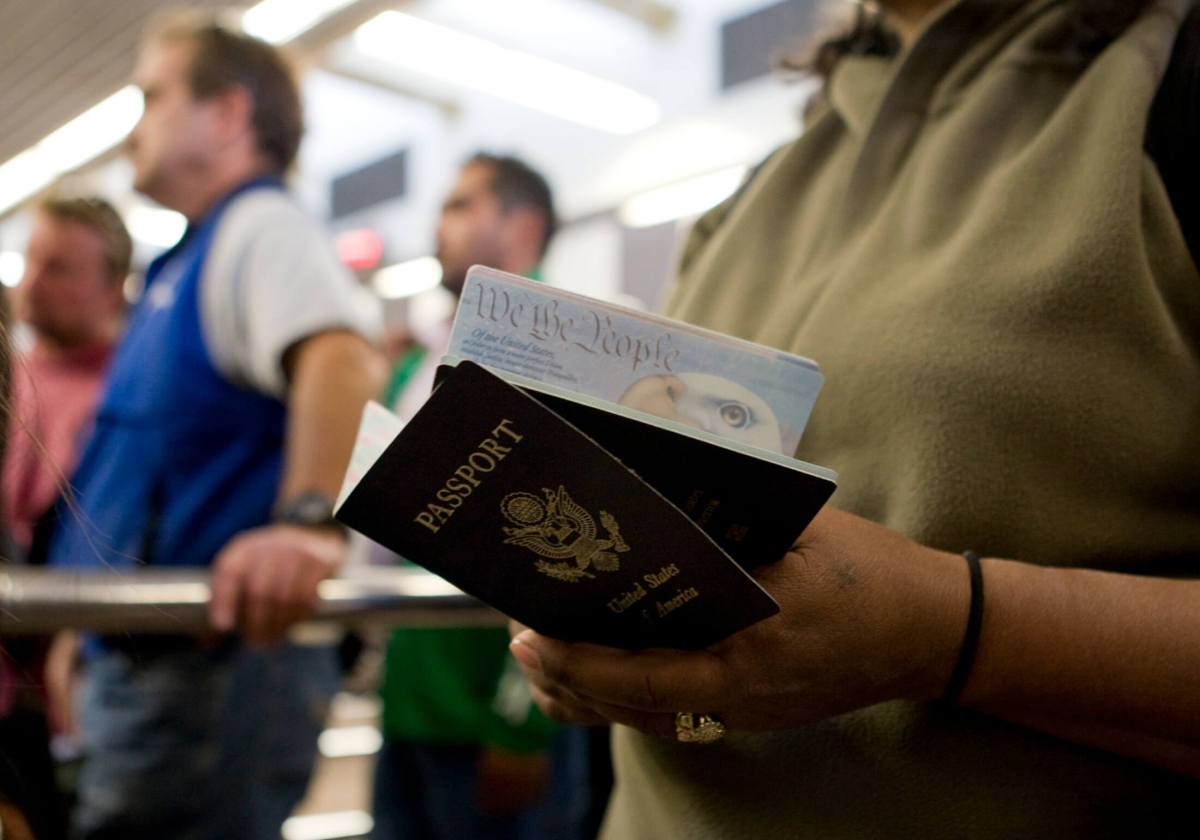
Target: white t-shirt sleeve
{"points": [[271, 279]]}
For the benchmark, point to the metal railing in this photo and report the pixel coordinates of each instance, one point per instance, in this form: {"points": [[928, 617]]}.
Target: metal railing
{"points": [[36, 601]]}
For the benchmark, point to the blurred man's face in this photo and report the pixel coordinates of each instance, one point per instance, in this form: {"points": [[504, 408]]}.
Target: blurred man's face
{"points": [[66, 295], [471, 229], [174, 138]]}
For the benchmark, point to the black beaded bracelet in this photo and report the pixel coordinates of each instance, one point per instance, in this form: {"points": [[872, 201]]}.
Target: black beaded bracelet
{"points": [[966, 655]]}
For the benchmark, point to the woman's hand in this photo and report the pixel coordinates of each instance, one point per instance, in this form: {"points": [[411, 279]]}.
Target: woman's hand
{"points": [[866, 615]]}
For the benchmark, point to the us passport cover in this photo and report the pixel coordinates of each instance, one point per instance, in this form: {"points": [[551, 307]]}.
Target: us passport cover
{"points": [[751, 503], [501, 496]]}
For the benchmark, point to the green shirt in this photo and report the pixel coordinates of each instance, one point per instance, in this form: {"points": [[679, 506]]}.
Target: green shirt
{"points": [[457, 685]]}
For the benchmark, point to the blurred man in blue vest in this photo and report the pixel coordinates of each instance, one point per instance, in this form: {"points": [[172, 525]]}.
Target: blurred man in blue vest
{"points": [[220, 441]]}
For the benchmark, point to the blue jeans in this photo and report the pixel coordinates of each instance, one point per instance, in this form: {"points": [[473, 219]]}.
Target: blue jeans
{"points": [[428, 792], [195, 744]]}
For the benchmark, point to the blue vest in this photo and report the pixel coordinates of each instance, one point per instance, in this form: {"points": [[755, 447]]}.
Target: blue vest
{"points": [[181, 459]]}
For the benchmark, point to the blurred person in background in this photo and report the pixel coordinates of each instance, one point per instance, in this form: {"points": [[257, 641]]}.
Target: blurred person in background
{"points": [[14, 766], [71, 299], [987, 235], [466, 752], [220, 441]]}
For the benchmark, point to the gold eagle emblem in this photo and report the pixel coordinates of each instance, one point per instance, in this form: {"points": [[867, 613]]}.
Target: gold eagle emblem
{"points": [[563, 533]]}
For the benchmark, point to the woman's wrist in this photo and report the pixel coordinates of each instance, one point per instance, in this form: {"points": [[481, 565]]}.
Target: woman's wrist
{"points": [[933, 634], [970, 643]]}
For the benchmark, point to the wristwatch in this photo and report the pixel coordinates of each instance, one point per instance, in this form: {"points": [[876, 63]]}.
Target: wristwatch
{"points": [[312, 509]]}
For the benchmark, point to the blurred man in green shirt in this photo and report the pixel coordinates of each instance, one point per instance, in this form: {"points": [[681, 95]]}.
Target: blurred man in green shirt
{"points": [[466, 752]]}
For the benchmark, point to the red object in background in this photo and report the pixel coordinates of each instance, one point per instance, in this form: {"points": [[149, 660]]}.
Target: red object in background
{"points": [[360, 249]]}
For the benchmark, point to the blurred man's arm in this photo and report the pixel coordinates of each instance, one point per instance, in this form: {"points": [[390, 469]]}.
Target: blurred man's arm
{"points": [[331, 377], [266, 579]]}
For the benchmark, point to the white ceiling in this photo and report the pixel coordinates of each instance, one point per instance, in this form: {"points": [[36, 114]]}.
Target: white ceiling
{"points": [[60, 57]]}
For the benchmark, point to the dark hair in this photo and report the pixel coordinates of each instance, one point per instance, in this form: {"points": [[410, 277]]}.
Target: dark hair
{"points": [[864, 33], [100, 216], [517, 184], [867, 32], [222, 59]]}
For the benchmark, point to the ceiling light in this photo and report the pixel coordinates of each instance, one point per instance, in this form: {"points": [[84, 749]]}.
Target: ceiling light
{"points": [[21, 177], [96, 130], [12, 268], [279, 21], [407, 278], [681, 199], [155, 226], [84, 138], [453, 56]]}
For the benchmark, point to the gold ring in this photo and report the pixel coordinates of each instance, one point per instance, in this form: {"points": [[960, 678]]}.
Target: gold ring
{"points": [[693, 728]]}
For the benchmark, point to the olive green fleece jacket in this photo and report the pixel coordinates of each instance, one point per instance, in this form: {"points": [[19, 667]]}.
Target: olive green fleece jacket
{"points": [[972, 243]]}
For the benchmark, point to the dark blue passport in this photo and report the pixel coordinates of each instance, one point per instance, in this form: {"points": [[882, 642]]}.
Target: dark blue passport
{"points": [[525, 508]]}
